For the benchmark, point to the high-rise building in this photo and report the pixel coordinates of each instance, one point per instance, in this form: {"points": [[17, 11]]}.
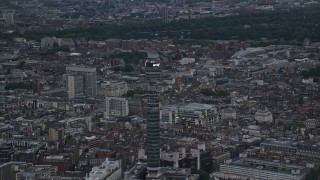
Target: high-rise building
{"points": [[75, 86], [8, 17], [164, 13], [116, 107], [168, 114], [81, 81], [152, 71]]}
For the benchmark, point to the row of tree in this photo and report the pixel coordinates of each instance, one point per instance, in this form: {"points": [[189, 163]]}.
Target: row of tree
{"points": [[210, 92], [130, 57], [18, 85], [313, 174], [131, 93], [287, 26], [311, 72]]}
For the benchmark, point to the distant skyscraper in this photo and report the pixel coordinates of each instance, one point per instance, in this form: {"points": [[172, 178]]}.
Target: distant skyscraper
{"points": [[152, 71], [164, 12], [81, 81], [8, 17]]}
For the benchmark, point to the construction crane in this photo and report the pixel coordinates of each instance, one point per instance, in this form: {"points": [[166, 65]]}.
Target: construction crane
{"points": [[36, 85]]}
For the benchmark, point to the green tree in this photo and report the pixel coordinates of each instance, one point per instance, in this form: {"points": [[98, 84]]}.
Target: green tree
{"points": [[207, 92], [18, 85], [264, 28], [130, 57], [311, 72], [203, 174], [131, 93], [210, 92], [300, 101], [313, 174], [21, 64]]}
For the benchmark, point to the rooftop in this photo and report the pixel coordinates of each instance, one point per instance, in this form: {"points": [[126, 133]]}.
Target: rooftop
{"points": [[197, 106], [280, 143], [269, 166]]}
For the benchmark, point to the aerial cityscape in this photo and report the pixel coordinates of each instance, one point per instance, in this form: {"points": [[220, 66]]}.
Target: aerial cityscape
{"points": [[159, 89]]}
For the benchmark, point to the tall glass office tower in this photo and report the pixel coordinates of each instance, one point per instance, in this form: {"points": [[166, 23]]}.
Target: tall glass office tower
{"points": [[152, 71]]}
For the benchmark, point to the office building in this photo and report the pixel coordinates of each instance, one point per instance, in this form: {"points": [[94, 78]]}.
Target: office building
{"points": [[179, 173], [259, 169], [116, 107], [309, 153], [108, 170], [198, 158], [137, 172], [168, 114], [35, 172], [6, 131], [10, 170], [81, 81], [6, 151], [264, 116], [7, 16], [113, 89], [270, 145], [220, 159], [56, 133], [228, 113], [165, 14], [197, 114], [63, 162], [152, 71], [75, 86]]}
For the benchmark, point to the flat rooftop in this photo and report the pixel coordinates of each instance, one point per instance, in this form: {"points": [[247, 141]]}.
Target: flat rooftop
{"points": [[197, 106], [268, 165]]}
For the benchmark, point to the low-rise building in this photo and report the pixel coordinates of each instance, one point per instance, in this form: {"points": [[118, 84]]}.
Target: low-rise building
{"points": [[185, 61], [279, 146], [309, 153], [112, 89], [62, 162], [228, 113], [264, 116], [108, 170], [197, 114], [259, 169]]}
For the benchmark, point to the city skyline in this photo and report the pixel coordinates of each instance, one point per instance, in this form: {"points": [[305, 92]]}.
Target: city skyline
{"points": [[159, 90]]}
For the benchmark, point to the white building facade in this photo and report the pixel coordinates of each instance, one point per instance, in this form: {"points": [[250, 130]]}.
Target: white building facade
{"points": [[264, 116], [109, 170]]}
